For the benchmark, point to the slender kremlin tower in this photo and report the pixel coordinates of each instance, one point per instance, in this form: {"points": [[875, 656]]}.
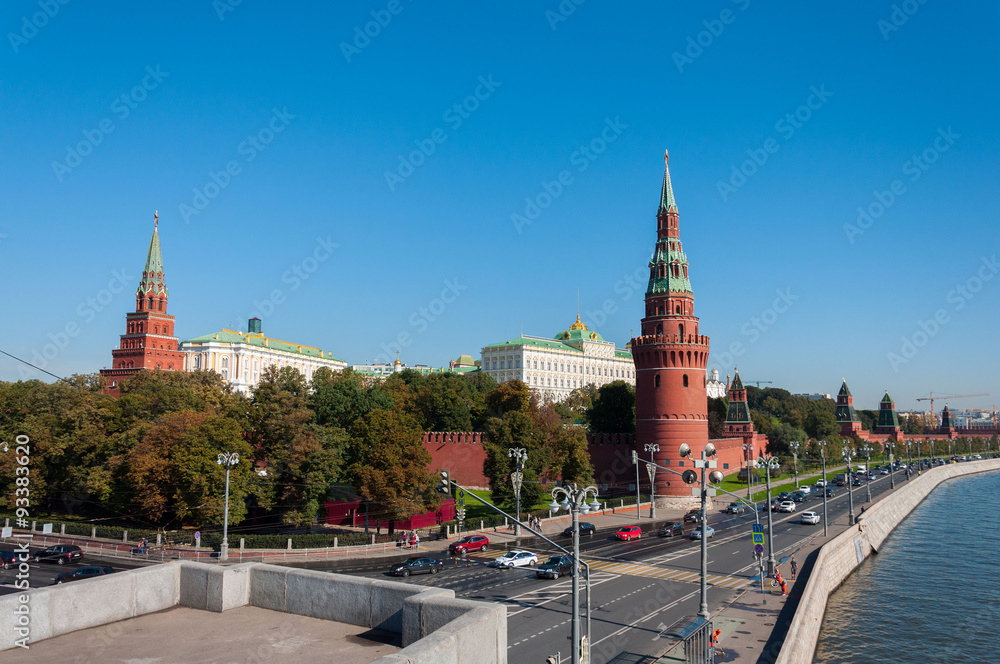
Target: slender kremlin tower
{"points": [[149, 341], [671, 403]]}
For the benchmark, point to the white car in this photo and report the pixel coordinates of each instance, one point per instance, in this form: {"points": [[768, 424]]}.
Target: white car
{"points": [[709, 533], [786, 506], [806, 489], [516, 558], [809, 518], [820, 484]]}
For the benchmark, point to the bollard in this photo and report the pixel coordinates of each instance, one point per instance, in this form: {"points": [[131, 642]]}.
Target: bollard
{"points": [[159, 538], [373, 539], [62, 528], [32, 526], [447, 532], [242, 542], [335, 542], [124, 536], [93, 532], [289, 543]]}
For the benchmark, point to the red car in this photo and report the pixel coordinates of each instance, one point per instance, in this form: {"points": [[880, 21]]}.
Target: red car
{"points": [[628, 533], [469, 543]]}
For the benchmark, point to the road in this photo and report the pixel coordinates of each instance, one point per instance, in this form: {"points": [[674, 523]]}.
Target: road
{"points": [[641, 589], [42, 574]]}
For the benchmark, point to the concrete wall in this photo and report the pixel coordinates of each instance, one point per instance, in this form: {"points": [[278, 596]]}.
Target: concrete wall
{"points": [[435, 627], [841, 555]]}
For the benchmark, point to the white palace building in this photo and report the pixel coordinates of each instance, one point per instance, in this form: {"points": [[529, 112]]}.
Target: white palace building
{"points": [[241, 357], [554, 367]]}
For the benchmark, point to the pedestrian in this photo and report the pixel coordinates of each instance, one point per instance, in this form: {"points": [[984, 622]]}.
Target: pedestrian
{"points": [[142, 546], [413, 540], [416, 540], [795, 567], [402, 540], [378, 527]]}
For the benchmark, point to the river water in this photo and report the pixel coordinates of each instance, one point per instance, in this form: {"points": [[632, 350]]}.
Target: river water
{"points": [[932, 593]]}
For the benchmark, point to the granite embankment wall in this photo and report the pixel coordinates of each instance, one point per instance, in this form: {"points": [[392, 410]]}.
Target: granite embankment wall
{"points": [[841, 555]]}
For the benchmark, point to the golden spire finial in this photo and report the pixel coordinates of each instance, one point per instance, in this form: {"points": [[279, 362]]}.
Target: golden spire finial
{"points": [[666, 158], [156, 219]]}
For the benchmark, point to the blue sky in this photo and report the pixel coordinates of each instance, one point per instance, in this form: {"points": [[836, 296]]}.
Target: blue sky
{"points": [[283, 152]]}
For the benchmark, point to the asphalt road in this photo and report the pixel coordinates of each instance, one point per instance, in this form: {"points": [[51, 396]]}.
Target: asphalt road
{"points": [[641, 589], [42, 574]]}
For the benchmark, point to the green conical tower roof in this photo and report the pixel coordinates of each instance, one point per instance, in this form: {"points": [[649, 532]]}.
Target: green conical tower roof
{"points": [[887, 417], [738, 411], [737, 383], [845, 409], [153, 282], [844, 391], [667, 203]]}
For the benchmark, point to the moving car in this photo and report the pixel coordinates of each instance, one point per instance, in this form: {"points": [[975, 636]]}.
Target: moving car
{"points": [[810, 518], [735, 508], [85, 572], [59, 553], [806, 489], [586, 528], [709, 533], [798, 497], [784, 495], [628, 533], [820, 484], [830, 493], [516, 558], [416, 566], [555, 567], [693, 516], [670, 529], [7, 559], [786, 506], [469, 543]]}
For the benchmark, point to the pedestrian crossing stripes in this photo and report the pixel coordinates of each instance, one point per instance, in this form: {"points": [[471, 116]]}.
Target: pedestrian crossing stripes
{"points": [[649, 571]]}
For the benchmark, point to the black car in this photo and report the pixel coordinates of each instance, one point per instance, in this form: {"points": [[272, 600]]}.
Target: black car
{"points": [[784, 495], [60, 553], [798, 496], [830, 493], [694, 516], [85, 572], [416, 566], [586, 528], [7, 559], [671, 529], [555, 567]]}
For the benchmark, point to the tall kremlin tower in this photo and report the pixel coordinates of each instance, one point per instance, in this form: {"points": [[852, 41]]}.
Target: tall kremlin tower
{"points": [[149, 341], [671, 403]]}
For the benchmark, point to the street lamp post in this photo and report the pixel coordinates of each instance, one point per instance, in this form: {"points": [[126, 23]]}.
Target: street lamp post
{"points": [[848, 455], [866, 450], [747, 448], [822, 448], [227, 459], [638, 498], [652, 448], [716, 477], [794, 445], [520, 456], [889, 446], [575, 500], [767, 462], [908, 458]]}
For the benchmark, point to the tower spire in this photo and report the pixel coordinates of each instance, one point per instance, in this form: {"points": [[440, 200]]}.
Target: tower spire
{"points": [[667, 203], [153, 283]]}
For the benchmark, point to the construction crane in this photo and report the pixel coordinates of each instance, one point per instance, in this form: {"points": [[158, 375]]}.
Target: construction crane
{"points": [[758, 383], [986, 410], [931, 398]]}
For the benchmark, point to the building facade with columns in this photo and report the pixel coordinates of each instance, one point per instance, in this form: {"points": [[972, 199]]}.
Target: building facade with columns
{"points": [[554, 367], [241, 357]]}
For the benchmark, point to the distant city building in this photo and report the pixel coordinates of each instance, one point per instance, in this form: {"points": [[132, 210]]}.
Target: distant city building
{"points": [[464, 364], [815, 396], [241, 357], [554, 367], [715, 388], [149, 341]]}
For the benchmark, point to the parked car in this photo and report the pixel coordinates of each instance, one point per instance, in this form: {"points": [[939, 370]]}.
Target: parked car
{"points": [[786, 506], [736, 508], [670, 529], [709, 533], [586, 528], [516, 558], [416, 566], [60, 553], [798, 497], [628, 533], [7, 559], [555, 567], [693, 516], [810, 518], [469, 543], [85, 572]]}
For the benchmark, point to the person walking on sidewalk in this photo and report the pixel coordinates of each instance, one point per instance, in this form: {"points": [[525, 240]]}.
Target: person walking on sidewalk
{"points": [[795, 567]]}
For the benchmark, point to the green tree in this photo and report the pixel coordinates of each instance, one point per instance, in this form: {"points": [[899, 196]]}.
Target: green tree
{"points": [[613, 410]]}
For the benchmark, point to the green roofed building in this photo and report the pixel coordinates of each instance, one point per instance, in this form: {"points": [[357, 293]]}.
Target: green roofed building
{"points": [[464, 364], [555, 366], [241, 357]]}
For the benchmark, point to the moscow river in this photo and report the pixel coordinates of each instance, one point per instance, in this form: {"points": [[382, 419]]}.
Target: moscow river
{"points": [[932, 593]]}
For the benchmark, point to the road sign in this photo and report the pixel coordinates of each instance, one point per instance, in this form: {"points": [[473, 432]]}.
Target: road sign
{"points": [[758, 527], [758, 549], [758, 538]]}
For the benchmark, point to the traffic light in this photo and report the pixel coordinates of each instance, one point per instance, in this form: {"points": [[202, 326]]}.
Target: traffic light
{"points": [[444, 486]]}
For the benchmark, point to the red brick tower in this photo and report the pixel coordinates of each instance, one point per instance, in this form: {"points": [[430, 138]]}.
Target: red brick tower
{"points": [[149, 341], [671, 404], [847, 417]]}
